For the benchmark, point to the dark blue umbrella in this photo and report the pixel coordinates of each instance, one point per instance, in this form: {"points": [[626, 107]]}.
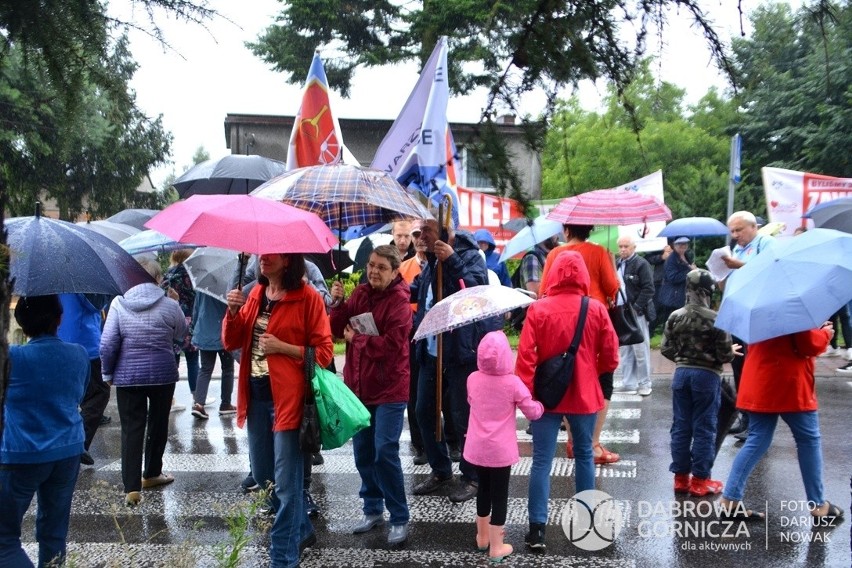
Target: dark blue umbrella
{"points": [[56, 257], [231, 175], [695, 227]]}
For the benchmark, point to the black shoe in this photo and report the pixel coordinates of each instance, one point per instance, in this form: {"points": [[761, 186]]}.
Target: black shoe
{"points": [[420, 458], [465, 491], [105, 419], [317, 459], [86, 459], [737, 428], [741, 436], [311, 507], [455, 454], [249, 485], [308, 542], [529, 430], [431, 484], [535, 538]]}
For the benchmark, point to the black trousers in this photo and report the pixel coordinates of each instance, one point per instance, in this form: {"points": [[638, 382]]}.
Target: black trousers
{"points": [[144, 413], [492, 496], [94, 401], [727, 409]]}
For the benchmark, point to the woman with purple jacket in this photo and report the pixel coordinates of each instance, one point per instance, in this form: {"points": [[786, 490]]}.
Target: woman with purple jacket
{"points": [[137, 358]]}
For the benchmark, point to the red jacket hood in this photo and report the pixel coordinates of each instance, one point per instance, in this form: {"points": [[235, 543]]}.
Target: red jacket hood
{"points": [[494, 355], [569, 275]]}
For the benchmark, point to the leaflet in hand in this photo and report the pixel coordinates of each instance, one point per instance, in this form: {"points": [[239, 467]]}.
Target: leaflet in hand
{"points": [[717, 267], [364, 324]]}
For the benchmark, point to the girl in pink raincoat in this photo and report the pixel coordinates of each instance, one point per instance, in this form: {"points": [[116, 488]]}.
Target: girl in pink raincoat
{"points": [[494, 392]]}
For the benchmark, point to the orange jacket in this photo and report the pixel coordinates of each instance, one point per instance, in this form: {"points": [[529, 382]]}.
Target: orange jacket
{"points": [[299, 319], [604, 282], [778, 374], [409, 269]]}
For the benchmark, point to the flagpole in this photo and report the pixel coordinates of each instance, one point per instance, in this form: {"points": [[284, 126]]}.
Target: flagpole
{"points": [[439, 363], [733, 171]]}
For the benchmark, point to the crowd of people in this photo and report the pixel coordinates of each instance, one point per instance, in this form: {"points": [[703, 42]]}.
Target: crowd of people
{"points": [[287, 314]]}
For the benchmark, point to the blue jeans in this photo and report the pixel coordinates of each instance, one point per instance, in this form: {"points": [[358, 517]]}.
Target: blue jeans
{"points": [[544, 433], [761, 428], [377, 459], [437, 453], [277, 458], [53, 483], [696, 396], [636, 360], [191, 367], [208, 362]]}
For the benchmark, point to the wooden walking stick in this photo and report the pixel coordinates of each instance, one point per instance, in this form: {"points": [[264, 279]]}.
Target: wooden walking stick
{"points": [[439, 295]]}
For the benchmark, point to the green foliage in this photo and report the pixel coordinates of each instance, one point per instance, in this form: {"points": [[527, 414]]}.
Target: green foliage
{"points": [[100, 153], [587, 150], [795, 74]]}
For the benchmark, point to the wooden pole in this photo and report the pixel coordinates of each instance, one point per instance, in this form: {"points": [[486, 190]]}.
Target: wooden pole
{"points": [[439, 293]]}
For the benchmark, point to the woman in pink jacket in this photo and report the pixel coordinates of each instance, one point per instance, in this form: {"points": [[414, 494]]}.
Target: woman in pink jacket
{"points": [[492, 445], [548, 331]]}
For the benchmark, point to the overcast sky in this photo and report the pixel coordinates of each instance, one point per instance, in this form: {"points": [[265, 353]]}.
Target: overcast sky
{"points": [[210, 74]]}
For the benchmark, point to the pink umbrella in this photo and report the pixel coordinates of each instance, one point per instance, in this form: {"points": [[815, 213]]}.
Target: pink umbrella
{"points": [[609, 207], [244, 223]]}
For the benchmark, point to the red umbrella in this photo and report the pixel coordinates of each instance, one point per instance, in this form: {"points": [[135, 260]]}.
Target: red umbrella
{"points": [[244, 223], [609, 207]]}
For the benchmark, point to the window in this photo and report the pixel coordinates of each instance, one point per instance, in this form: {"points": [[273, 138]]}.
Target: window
{"points": [[472, 177]]}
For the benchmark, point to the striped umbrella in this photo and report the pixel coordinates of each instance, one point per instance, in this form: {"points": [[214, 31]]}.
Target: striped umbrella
{"points": [[345, 195], [609, 207]]}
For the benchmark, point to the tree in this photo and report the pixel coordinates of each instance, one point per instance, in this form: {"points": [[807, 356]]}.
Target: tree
{"points": [[510, 48], [587, 150], [795, 76]]}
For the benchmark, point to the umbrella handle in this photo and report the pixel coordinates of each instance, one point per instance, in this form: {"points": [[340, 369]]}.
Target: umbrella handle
{"points": [[439, 294], [243, 261]]}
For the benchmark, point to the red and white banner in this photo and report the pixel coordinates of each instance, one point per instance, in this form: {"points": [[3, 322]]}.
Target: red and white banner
{"points": [[479, 210], [790, 194]]}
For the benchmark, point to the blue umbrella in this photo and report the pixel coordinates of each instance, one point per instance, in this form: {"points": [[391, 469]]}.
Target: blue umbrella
{"points": [[695, 227], [535, 232], [150, 240], [835, 214], [793, 286], [55, 257]]}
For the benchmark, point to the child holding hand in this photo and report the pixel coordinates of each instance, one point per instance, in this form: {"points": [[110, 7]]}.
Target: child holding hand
{"points": [[494, 392]]}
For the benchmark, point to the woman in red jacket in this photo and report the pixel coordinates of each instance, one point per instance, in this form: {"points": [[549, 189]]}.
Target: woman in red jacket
{"points": [[377, 371], [548, 331], [281, 317], [778, 381]]}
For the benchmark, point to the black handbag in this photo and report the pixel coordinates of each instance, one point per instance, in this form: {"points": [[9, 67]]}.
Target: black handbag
{"points": [[625, 322], [310, 437], [553, 375]]}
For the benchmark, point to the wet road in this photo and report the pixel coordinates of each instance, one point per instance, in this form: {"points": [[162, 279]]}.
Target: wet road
{"points": [[183, 524]]}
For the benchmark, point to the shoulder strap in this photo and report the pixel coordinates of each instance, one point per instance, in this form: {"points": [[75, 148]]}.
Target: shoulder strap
{"points": [[581, 323]]}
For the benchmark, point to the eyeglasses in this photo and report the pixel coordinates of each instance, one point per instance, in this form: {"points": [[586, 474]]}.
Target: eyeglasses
{"points": [[379, 267]]}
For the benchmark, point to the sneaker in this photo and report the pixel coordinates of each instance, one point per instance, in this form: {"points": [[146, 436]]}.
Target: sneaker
{"points": [[210, 401], [845, 369], [464, 492], [433, 483], [105, 419], [199, 412], [535, 538], [831, 352], [249, 485], [700, 487], [311, 507], [177, 408], [317, 459], [644, 391], [681, 483], [625, 390], [849, 354], [227, 410]]}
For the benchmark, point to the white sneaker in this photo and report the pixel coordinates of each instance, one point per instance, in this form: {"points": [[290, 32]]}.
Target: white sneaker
{"points": [[177, 408], [644, 391], [849, 354], [830, 352], [210, 401], [845, 369]]}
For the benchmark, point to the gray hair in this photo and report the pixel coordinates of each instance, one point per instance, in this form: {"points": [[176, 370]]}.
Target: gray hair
{"points": [[152, 267], [746, 216]]}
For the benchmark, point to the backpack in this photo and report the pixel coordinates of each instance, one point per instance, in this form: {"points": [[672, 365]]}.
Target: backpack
{"points": [[517, 317]]}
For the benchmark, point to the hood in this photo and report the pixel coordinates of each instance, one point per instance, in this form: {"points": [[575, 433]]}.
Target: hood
{"points": [[568, 275], [494, 355], [699, 287], [141, 297], [486, 236]]}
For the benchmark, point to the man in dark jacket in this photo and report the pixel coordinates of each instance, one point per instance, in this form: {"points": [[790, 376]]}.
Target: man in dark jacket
{"points": [[462, 266], [638, 278]]}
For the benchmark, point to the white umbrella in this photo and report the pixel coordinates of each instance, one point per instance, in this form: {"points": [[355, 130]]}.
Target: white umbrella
{"points": [[532, 234], [469, 305]]}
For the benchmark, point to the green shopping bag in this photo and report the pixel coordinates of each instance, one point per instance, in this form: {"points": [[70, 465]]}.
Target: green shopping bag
{"points": [[341, 414]]}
